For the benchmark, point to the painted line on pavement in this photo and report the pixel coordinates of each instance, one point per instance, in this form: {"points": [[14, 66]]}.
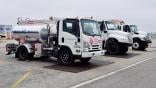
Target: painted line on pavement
{"points": [[24, 77], [109, 74]]}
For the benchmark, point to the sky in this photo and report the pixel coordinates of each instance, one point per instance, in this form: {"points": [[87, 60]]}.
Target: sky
{"points": [[139, 12]]}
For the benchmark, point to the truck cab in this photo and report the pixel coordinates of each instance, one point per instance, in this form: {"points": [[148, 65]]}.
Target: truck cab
{"points": [[141, 39], [114, 40], [67, 39], [82, 37]]}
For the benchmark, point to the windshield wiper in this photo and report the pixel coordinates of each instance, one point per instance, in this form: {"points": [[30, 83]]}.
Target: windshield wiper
{"points": [[96, 34], [88, 34], [92, 34]]}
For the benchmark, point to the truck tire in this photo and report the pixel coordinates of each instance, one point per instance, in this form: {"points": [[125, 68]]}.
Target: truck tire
{"points": [[65, 57], [112, 47], [24, 55], [85, 60], [137, 45], [123, 50]]}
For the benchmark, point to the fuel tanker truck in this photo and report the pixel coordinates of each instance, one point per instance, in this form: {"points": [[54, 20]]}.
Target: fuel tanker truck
{"points": [[141, 39], [67, 39], [114, 40]]}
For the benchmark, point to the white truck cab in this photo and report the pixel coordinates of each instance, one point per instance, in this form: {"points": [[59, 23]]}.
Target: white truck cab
{"points": [[114, 40], [141, 39], [67, 39]]}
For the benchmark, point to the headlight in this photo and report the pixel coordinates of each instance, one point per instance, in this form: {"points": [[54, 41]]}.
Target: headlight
{"points": [[148, 36], [86, 46]]}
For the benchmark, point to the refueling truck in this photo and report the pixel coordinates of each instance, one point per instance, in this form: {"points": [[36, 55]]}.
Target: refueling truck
{"points": [[66, 39], [114, 40], [141, 39]]}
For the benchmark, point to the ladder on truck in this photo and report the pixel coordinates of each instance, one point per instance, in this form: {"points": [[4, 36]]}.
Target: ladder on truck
{"points": [[27, 21]]}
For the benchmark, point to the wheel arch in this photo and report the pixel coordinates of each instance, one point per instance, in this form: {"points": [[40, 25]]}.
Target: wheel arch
{"points": [[114, 39], [136, 39], [27, 46], [65, 47]]}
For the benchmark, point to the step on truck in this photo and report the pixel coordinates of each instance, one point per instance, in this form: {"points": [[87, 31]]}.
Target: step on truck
{"points": [[114, 40], [66, 39], [141, 39]]}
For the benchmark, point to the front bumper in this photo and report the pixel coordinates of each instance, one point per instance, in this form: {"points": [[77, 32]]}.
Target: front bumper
{"points": [[92, 54], [125, 44], [146, 43]]}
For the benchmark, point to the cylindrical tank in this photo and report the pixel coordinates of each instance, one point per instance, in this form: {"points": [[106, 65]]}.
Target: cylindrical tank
{"points": [[34, 33]]}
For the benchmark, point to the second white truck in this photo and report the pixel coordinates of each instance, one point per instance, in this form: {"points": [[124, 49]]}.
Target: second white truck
{"points": [[114, 41]]}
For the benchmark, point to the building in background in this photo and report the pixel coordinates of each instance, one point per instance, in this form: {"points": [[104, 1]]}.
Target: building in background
{"points": [[6, 31]]}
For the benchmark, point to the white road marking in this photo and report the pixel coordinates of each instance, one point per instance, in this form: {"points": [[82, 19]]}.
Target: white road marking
{"points": [[109, 74]]}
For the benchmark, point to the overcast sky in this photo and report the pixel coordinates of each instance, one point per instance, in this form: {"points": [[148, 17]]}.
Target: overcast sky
{"points": [[139, 12]]}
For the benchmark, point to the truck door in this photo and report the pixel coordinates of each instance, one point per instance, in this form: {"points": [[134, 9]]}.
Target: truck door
{"points": [[104, 31], [71, 35]]}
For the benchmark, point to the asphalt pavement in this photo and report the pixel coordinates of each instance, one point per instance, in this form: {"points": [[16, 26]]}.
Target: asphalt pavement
{"points": [[142, 75], [136, 69]]}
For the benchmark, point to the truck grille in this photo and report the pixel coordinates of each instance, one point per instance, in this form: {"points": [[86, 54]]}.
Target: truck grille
{"points": [[148, 37], [95, 48]]}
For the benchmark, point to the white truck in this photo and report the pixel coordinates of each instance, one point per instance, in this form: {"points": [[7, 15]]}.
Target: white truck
{"points": [[141, 39], [114, 40], [66, 39]]}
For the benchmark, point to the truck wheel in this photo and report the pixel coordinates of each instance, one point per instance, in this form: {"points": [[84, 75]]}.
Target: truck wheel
{"points": [[85, 60], [112, 47], [123, 50], [137, 45], [24, 55], [65, 57]]}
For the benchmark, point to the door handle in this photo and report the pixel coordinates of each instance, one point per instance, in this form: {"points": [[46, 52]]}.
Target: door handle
{"points": [[62, 39]]}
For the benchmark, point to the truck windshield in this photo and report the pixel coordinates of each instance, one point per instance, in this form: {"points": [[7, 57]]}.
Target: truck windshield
{"points": [[134, 28], [90, 27], [111, 26]]}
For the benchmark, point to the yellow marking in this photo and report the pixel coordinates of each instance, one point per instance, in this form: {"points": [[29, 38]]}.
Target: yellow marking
{"points": [[19, 81]]}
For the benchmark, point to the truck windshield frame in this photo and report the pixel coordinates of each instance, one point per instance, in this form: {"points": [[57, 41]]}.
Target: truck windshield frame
{"points": [[90, 27], [111, 26]]}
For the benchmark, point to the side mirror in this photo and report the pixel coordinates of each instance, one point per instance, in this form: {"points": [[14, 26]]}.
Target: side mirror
{"points": [[105, 31], [78, 40]]}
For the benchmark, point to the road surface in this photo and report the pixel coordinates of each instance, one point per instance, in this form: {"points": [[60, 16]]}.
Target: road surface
{"points": [[122, 71]]}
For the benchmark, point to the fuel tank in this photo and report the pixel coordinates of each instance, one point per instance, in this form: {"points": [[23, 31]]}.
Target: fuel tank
{"points": [[34, 33]]}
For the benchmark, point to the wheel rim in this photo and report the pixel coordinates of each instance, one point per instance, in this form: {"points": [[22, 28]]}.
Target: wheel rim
{"points": [[65, 58], [24, 53], [112, 47], [136, 45]]}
